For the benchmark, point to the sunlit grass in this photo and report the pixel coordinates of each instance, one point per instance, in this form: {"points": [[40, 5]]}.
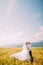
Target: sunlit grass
{"points": [[6, 60]]}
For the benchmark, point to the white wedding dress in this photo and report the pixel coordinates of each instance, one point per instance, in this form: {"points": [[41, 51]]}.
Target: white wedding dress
{"points": [[23, 55]]}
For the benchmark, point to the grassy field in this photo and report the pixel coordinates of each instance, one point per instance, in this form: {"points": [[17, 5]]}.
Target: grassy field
{"points": [[6, 60]]}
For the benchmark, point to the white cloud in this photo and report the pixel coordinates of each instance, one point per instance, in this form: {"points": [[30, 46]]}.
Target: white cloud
{"points": [[41, 28], [39, 34], [6, 37]]}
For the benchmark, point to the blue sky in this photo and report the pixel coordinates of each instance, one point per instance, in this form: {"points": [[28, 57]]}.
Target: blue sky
{"points": [[21, 21]]}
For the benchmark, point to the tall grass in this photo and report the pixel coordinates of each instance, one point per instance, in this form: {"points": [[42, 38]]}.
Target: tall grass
{"points": [[6, 60]]}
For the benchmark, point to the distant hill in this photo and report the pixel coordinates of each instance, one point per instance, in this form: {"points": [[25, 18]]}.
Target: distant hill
{"points": [[37, 44], [34, 44]]}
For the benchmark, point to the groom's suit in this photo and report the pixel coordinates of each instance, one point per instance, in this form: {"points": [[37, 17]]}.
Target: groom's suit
{"points": [[30, 52]]}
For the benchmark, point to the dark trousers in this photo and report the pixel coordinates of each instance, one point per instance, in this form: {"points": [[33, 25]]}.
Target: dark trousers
{"points": [[30, 53]]}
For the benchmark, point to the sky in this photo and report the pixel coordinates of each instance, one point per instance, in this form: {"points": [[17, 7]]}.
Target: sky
{"points": [[21, 21]]}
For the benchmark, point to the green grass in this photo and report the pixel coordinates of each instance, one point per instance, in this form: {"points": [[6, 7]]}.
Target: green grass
{"points": [[6, 60]]}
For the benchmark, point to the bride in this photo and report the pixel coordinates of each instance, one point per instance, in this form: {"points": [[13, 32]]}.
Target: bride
{"points": [[24, 54]]}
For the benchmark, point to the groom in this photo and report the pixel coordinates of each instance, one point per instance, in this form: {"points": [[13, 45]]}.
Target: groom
{"points": [[30, 52]]}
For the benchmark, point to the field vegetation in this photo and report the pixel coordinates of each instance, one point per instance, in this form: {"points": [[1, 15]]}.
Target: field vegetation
{"points": [[6, 60]]}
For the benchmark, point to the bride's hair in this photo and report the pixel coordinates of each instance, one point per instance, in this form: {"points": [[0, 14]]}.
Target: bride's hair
{"points": [[27, 43]]}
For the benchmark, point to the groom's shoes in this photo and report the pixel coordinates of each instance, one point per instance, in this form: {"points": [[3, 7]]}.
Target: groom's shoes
{"points": [[31, 60]]}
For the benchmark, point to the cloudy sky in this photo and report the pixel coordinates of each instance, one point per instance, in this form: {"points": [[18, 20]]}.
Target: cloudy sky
{"points": [[20, 21]]}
